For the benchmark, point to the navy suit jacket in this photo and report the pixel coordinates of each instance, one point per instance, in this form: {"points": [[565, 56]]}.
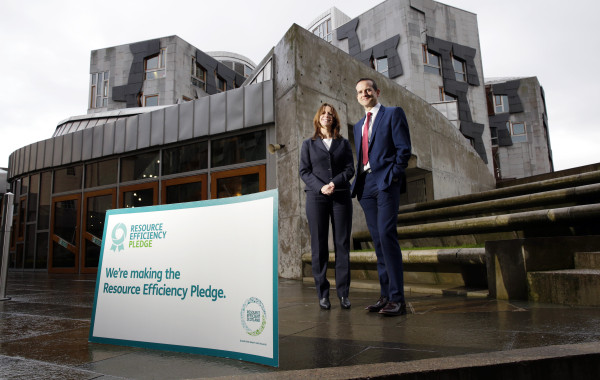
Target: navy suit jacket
{"points": [[389, 147], [319, 166]]}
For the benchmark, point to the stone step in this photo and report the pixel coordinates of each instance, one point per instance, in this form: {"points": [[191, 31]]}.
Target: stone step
{"points": [[568, 287], [412, 288], [447, 267], [459, 256], [587, 260]]}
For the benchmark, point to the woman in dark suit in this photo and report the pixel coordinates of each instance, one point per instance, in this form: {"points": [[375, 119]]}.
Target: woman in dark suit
{"points": [[326, 167]]}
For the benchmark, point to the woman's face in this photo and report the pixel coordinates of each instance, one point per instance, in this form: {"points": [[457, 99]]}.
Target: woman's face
{"points": [[326, 118]]}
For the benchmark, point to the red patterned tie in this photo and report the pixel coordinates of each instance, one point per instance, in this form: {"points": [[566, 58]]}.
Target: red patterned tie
{"points": [[365, 140]]}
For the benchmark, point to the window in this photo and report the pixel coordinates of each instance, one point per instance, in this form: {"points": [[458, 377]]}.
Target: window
{"points": [[186, 189], [233, 183], [138, 198], [185, 158], [221, 83], [494, 134], [22, 206], [518, 132], [431, 62], [198, 75], [445, 97], [460, 70], [324, 31], [150, 100], [99, 90], [95, 205], [68, 179], [154, 65], [239, 68], [381, 65], [264, 73], [45, 201], [500, 103], [141, 166], [247, 71], [101, 173], [34, 193], [238, 149]]}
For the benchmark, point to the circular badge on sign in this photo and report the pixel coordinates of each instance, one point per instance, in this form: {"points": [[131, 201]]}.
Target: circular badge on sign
{"points": [[118, 236], [253, 316]]}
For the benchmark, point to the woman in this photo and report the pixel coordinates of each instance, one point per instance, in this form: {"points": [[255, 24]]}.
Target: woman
{"points": [[326, 166]]}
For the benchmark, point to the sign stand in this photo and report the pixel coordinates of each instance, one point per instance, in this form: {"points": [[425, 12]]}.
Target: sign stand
{"points": [[197, 277]]}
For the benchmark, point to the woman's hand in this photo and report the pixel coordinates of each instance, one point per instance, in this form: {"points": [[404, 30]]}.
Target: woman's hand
{"points": [[328, 189]]}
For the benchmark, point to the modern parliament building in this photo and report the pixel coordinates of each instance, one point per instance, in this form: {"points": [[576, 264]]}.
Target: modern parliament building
{"points": [[168, 123]]}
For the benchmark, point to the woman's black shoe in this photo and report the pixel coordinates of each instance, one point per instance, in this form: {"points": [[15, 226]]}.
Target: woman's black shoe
{"points": [[324, 303]]}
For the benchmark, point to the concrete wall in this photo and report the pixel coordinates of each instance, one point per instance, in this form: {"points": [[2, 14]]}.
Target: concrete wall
{"points": [[308, 72]]}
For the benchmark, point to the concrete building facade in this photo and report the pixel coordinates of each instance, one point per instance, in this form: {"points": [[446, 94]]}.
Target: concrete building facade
{"points": [[432, 50], [519, 128], [213, 147], [324, 25], [160, 72], [217, 144]]}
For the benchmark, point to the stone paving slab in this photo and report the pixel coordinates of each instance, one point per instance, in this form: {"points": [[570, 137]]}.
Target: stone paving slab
{"points": [[44, 334]]}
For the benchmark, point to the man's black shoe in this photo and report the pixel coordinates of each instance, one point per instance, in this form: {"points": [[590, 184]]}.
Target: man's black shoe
{"points": [[324, 303], [393, 309], [345, 303], [381, 302]]}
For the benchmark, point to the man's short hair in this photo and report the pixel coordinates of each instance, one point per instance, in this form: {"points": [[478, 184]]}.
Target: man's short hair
{"points": [[369, 79]]}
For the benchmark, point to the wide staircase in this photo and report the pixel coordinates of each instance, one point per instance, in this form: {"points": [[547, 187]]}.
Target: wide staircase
{"points": [[444, 241]]}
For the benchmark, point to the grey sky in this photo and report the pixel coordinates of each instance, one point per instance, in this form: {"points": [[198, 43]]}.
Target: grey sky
{"points": [[47, 44]]}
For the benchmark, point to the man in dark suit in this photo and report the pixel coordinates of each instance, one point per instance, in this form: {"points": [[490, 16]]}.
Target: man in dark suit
{"points": [[383, 149]]}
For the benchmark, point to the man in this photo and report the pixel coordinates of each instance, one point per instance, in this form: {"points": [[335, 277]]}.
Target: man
{"points": [[383, 149]]}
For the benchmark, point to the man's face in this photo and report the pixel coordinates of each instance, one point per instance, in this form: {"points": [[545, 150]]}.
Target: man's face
{"points": [[366, 95]]}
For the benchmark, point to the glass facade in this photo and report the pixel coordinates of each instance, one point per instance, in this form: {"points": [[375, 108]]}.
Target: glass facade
{"points": [[60, 213]]}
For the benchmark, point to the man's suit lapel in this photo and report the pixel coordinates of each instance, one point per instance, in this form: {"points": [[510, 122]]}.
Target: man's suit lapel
{"points": [[376, 124], [358, 136]]}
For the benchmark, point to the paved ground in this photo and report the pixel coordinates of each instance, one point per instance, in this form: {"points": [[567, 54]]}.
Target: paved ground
{"points": [[44, 334]]}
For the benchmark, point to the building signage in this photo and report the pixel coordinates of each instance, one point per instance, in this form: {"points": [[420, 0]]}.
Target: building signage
{"points": [[197, 277]]}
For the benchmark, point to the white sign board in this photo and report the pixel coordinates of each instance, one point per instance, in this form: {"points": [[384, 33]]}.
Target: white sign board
{"points": [[198, 277]]}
